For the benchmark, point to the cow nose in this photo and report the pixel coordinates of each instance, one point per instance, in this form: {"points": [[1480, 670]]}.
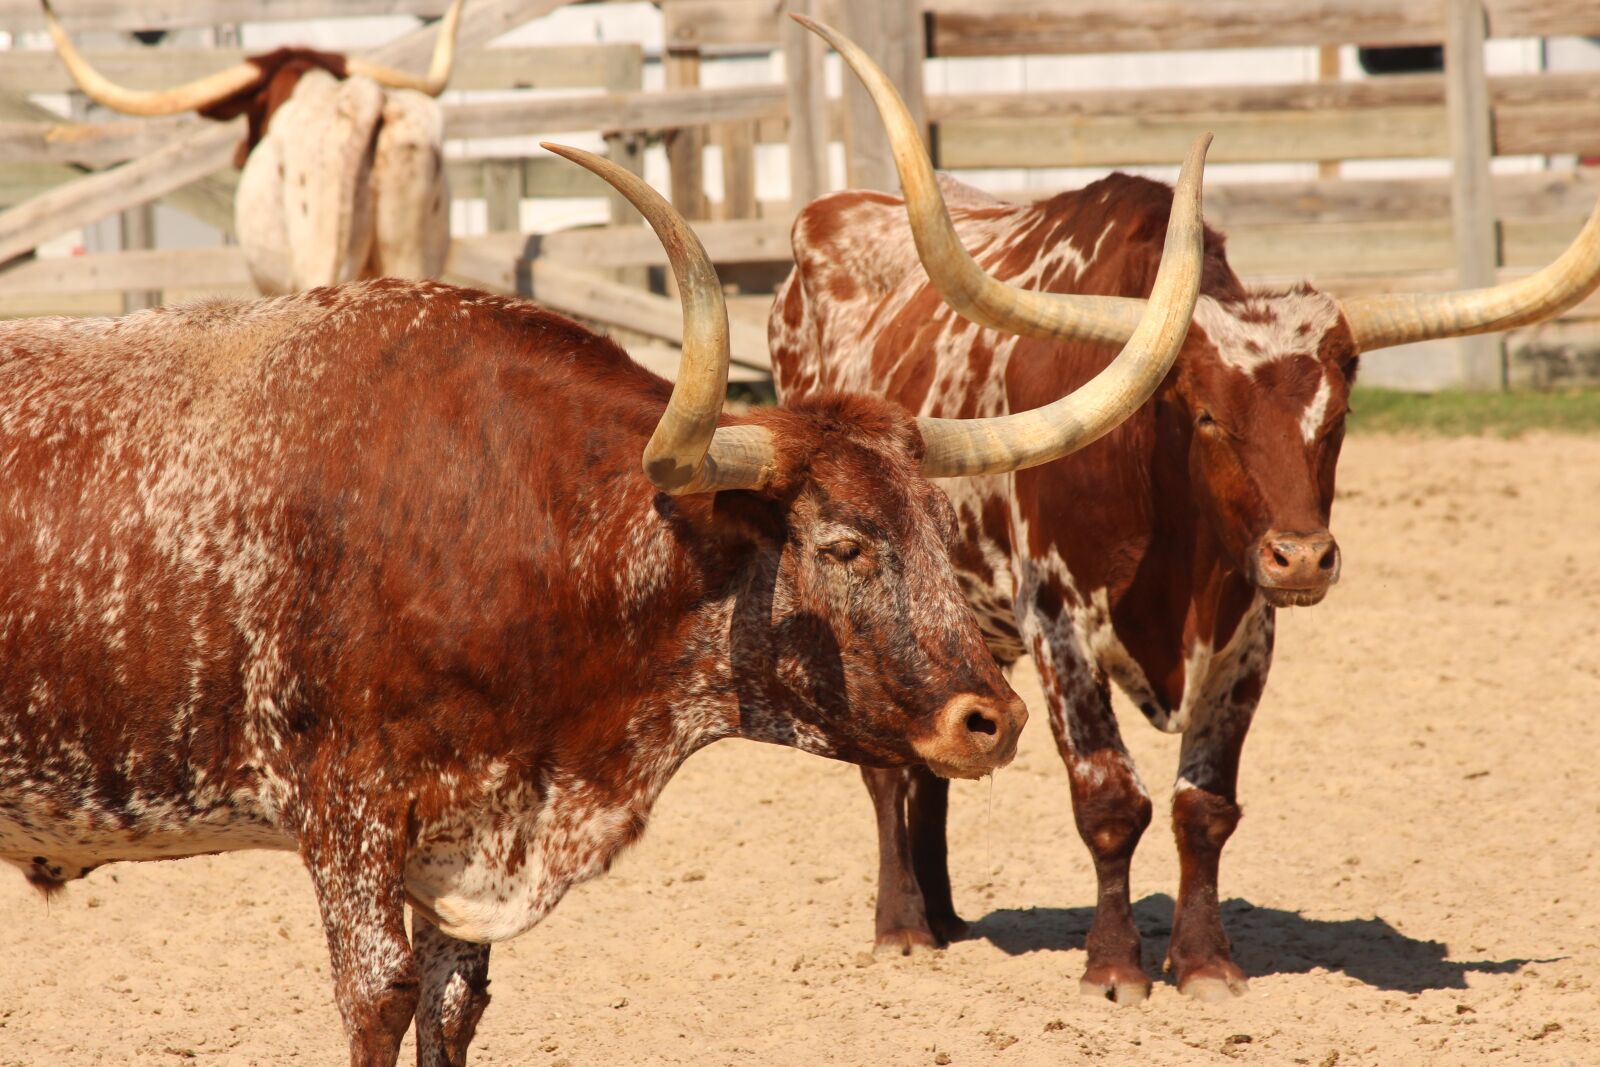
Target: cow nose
{"points": [[973, 735], [1298, 561]]}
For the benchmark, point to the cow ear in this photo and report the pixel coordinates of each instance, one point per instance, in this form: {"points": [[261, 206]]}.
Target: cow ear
{"points": [[724, 523], [749, 516]]}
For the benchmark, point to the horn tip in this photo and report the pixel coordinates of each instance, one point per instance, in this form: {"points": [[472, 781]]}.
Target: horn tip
{"points": [[564, 150]]}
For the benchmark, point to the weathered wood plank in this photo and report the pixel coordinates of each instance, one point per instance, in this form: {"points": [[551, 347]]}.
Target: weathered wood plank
{"points": [[713, 23], [686, 145], [121, 271], [1578, 89], [1042, 27], [663, 110], [807, 101], [586, 295], [1391, 133], [736, 143], [741, 241], [1467, 112], [537, 67], [891, 32], [23, 15], [98, 195], [1569, 194], [1397, 246]]}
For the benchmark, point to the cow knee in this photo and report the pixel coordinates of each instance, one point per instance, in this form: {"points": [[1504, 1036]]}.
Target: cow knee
{"points": [[1203, 821], [1112, 817]]}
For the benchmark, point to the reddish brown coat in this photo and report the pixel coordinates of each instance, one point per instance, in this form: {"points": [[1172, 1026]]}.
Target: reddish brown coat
{"points": [[1152, 558], [372, 573]]}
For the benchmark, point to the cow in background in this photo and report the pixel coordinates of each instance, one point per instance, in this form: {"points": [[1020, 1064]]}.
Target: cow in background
{"points": [[342, 169], [1154, 559], [372, 573]]}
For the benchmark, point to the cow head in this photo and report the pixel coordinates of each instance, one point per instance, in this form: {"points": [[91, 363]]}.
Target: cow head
{"points": [[1262, 388], [851, 636], [1257, 402], [853, 639], [255, 88]]}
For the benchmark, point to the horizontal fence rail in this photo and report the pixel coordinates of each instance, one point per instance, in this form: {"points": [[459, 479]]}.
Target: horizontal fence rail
{"points": [[1349, 236]]}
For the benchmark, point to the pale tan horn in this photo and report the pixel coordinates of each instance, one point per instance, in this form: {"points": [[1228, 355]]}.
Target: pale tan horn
{"points": [[689, 452], [1401, 318], [444, 59], [969, 291], [959, 447], [102, 90]]}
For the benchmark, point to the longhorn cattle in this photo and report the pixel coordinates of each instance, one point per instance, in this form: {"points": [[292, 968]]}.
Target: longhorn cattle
{"points": [[342, 166], [1154, 559], [371, 573]]}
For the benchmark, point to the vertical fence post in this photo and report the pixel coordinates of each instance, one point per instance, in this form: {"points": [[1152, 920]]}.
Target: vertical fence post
{"points": [[809, 129], [1328, 71], [626, 150], [686, 144], [138, 230], [892, 33], [502, 194], [1482, 357]]}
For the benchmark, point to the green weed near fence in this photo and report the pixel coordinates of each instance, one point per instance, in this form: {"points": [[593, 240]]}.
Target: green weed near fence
{"points": [[1456, 413]]}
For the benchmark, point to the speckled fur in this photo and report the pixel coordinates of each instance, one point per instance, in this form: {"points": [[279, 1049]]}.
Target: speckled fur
{"points": [[372, 573], [1131, 562]]}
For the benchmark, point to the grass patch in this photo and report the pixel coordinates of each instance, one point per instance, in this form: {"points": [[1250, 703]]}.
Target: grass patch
{"points": [[1453, 413]]}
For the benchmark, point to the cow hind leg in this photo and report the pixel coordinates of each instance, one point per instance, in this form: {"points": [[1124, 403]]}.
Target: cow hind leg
{"points": [[902, 913], [927, 807], [357, 865], [455, 990], [1205, 812]]}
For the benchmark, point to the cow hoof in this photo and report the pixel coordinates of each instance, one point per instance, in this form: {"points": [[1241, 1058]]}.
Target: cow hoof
{"points": [[1123, 986], [1215, 989], [949, 928], [905, 940]]}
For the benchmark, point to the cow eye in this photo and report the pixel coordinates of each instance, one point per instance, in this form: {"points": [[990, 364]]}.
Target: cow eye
{"points": [[841, 551], [1205, 421]]}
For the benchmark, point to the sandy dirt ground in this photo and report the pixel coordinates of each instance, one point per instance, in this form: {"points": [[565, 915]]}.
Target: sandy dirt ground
{"points": [[1415, 880]]}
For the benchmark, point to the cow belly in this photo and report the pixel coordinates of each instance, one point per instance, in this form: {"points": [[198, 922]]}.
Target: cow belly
{"points": [[54, 842]]}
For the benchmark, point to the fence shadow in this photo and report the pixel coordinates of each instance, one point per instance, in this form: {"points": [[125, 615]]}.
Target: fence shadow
{"points": [[1265, 941]]}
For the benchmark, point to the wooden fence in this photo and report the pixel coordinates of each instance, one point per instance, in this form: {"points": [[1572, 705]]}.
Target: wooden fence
{"points": [[1344, 234]]}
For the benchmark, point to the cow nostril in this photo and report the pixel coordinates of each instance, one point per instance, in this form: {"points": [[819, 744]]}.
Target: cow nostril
{"points": [[1326, 562], [1279, 558], [979, 723]]}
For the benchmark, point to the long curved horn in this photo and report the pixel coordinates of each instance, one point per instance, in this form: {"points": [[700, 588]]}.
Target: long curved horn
{"points": [[969, 291], [959, 447], [689, 452], [151, 103], [444, 59], [1400, 318]]}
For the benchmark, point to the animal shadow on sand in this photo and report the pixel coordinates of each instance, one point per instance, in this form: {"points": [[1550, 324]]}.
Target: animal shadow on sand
{"points": [[1265, 941]]}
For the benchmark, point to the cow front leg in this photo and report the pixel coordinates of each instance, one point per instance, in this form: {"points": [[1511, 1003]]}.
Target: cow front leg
{"points": [[357, 865], [455, 990], [902, 912], [1111, 808], [1205, 812]]}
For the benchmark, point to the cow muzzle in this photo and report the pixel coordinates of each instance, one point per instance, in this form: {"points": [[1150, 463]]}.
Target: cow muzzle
{"points": [[1295, 569], [972, 736]]}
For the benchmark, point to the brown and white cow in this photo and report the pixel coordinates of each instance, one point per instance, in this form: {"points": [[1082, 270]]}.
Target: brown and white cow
{"points": [[342, 166], [1155, 558], [372, 573]]}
